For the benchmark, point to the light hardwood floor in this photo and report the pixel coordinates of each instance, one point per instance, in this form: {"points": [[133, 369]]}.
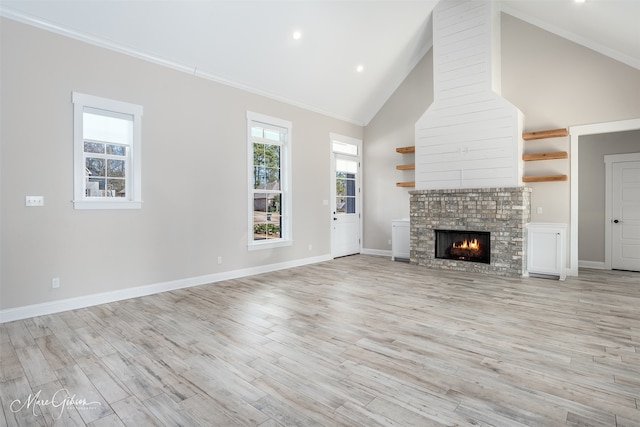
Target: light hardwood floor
{"points": [[359, 340]]}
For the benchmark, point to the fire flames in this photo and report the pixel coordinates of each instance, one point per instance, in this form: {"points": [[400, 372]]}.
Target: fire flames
{"points": [[472, 244]]}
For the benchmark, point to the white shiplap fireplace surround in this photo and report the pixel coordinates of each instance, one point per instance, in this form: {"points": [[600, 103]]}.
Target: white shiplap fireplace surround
{"points": [[468, 147]]}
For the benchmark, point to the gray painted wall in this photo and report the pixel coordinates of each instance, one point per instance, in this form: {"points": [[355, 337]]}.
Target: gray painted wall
{"points": [[194, 164], [392, 127], [194, 183], [591, 187], [554, 82]]}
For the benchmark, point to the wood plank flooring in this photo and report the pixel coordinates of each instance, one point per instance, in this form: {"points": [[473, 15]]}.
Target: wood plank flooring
{"points": [[354, 341]]}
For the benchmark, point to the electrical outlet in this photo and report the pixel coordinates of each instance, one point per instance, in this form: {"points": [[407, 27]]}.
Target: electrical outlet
{"points": [[219, 260], [34, 201], [55, 283]]}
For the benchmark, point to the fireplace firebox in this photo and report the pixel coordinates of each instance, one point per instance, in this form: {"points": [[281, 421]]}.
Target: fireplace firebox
{"points": [[472, 246]]}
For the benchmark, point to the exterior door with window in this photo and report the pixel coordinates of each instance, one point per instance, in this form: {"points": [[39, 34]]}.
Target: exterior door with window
{"points": [[625, 227], [346, 206]]}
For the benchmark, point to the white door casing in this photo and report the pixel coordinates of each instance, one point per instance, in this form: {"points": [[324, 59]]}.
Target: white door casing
{"points": [[622, 223], [346, 200], [575, 132]]}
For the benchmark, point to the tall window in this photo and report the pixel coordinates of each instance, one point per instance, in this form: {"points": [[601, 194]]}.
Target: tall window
{"points": [[269, 181], [107, 138]]}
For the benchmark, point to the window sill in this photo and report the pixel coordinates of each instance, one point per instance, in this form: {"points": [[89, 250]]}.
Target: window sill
{"points": [[107, 204], [256, 246]]}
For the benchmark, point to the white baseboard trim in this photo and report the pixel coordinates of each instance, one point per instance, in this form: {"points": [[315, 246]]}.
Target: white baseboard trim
{"points": [[34, 310], [592, 264], [378, 252]]}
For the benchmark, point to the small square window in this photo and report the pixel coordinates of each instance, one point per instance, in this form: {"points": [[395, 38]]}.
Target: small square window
{"points": [[107, 153]]}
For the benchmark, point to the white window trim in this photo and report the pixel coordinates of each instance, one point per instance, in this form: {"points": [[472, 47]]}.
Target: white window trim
{"points": [[134, 197], [285, 177]]}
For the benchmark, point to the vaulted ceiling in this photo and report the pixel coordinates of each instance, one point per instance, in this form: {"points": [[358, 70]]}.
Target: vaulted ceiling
{"points": [[250, 44]]}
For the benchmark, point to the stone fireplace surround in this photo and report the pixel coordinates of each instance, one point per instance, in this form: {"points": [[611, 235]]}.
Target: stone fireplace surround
{"points": [[504, 212]]}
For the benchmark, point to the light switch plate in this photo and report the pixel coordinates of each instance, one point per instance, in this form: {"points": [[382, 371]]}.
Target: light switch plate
{"points": [[34, 201]]}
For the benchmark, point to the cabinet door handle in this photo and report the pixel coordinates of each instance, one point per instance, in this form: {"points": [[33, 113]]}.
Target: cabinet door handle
{"points": [[616, 221]]}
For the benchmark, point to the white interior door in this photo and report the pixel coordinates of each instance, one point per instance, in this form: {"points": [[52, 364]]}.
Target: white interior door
{"points": [[345, 218], [625, 222]]}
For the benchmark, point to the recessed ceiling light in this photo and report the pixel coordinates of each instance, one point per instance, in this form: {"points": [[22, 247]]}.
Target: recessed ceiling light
{"points": [[297, 35], [579, 1], [360, 68]]}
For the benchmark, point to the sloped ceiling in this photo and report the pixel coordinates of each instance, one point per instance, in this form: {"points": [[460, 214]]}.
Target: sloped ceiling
{"points": [[249, 44]]}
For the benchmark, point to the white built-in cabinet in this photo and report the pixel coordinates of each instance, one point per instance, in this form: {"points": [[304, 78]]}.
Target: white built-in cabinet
{"points": [[546, 249], [400, 239]]}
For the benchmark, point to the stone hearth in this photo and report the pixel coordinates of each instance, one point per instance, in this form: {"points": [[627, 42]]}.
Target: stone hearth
{"points": [[503, 212]]}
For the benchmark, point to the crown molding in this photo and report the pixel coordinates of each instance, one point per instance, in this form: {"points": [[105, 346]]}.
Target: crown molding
{"points": [[188, 69]]}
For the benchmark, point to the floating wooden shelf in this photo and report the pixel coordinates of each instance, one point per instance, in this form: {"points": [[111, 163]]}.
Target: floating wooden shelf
{"points": [[408, 167], [405, 150], [527, 136], [545, 156], [553, 133], [544, 178]]}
